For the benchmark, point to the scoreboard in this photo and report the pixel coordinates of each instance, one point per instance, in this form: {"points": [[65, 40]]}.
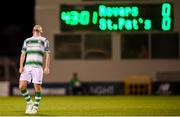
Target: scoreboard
{"points": [[116, 17]]}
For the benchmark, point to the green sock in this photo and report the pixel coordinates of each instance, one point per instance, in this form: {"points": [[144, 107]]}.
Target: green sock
{"points": [[26, 95], [37, 100]]}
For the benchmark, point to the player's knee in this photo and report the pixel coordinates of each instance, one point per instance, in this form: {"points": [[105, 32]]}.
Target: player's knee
{"points": [[22, 87], [37, 88]]}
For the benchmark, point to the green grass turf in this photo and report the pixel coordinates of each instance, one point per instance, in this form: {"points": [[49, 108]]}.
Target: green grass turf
{"points": [[95, 105]]}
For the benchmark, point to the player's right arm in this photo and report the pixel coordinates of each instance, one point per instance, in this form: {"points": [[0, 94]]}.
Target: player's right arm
{"points": [[22, 57]]}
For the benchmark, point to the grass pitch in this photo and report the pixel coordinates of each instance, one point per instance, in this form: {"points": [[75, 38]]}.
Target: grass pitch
{"points": [[95, 106]]}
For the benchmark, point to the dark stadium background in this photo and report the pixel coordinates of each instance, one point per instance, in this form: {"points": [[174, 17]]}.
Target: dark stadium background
{"points": [[16, 22]]}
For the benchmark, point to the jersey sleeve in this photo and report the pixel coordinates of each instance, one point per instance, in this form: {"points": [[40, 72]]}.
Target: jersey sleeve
{"points": [[23, 50], [46, 46]]}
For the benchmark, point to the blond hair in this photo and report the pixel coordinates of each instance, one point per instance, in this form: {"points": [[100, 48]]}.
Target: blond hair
{"points": [[37, 28]]}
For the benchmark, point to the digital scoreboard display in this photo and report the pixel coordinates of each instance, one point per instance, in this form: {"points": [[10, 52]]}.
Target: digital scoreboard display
{"points": [[116, 17]]}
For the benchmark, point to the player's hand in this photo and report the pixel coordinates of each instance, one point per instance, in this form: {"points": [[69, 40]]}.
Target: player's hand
{"points": [[46, 70], [21, 69]]}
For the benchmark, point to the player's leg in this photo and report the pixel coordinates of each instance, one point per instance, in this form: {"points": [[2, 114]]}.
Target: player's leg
{"points": [[37, 75], [37, 88], [24, 91], [24, 79]]}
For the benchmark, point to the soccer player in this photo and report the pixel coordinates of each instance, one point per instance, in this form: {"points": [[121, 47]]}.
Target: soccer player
{"points": [[35, 50]]}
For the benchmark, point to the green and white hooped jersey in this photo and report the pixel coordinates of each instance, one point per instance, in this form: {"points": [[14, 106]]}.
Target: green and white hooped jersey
{"points": [[35, 47]]}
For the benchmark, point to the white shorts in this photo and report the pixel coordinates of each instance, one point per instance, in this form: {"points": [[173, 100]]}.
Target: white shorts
{"points": [[34, 74]]}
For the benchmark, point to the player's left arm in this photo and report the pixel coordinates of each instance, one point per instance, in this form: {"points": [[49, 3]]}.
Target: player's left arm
{"points": [[47, 57], [47, 62]]}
